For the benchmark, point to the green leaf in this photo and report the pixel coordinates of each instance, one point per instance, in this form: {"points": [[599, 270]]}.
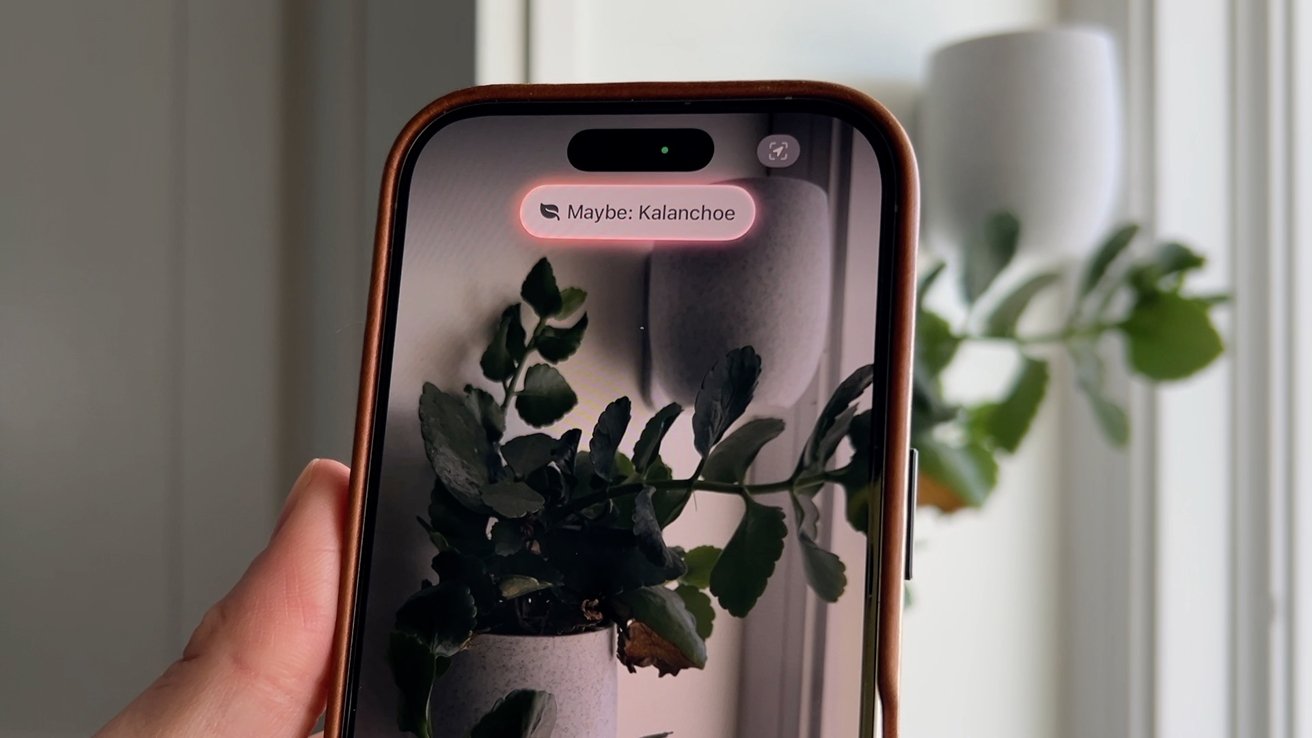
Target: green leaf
{"points": [[858, 482], [507, 347], [930, 276], [857, 507], [664, 611], [1170, 337], [512, 499], [847, 392], [567, 448], [583, 476], [1111, 417], [487, 411], [739, 577], [546, 396], [928, 408], [987, 253], [624, 468], [1009, 420], [540, 290], [442, 617], [825, 572], [936, 344], [454, 523], [607, 435], [1006, 315], [1089, 378], [1172, 258], [438, 540], [669, 504], [832, 423], [826, 434], [647, 528], [456, 445], [659, 471], [700, 562], [699, 606], [523, 713], [526, 454], [730, 459], [968, 469], [414, 669], [507, 537], [557, 344], [571, 299], [1164, 269], [826, 446], [517, 585], [598, 561], [725, 393], [1106, 255], [454, 568], [549, 482], [648, 447]]}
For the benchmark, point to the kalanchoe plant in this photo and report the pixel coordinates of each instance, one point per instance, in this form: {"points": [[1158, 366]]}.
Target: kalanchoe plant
{"points": [[553, 535], [1167, 332]]}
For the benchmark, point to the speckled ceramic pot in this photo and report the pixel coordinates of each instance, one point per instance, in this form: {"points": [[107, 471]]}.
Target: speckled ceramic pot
{"points": [[769, 290], [578, 670]]}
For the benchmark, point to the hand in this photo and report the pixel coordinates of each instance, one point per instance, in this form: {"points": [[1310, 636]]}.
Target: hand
{"points": [[258, 663]]}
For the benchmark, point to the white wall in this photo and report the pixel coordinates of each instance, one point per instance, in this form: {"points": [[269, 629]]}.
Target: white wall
{"points": [[981, 641], [186, 193], [137, 417]]}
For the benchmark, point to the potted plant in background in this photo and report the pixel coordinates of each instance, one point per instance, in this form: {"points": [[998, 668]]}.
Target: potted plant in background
{"points": [[1044, 142], [1167, 331], [548, 549]]}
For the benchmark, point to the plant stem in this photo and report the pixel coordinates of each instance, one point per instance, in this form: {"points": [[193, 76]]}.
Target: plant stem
{"points": [[1062, 336], [519, 368], [703, 485]]}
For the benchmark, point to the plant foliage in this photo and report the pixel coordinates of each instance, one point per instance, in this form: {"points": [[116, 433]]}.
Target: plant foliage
{"points": [[1167, 332], [541, 535]]}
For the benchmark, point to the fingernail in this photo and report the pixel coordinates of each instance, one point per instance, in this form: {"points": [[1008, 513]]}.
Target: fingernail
{"points": [[302, 481]]}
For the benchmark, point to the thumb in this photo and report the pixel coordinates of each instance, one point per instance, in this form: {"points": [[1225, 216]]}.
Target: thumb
{"points": [[257, 664]]}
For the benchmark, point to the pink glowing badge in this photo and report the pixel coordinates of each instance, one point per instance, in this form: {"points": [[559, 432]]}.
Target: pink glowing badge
{"points": [[638, 212]]}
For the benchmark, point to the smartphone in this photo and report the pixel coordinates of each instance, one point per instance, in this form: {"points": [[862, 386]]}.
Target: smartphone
{"points": [[631, 455]]}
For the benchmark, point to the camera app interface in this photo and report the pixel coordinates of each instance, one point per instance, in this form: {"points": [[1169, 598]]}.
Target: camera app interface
{"points": [[626, 472]]}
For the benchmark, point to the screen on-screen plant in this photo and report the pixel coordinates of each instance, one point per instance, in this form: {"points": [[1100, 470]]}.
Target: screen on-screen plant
{"points": [[624, 462]]}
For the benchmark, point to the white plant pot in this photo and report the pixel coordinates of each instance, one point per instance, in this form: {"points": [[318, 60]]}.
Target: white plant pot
{"points": [[769, 290], [578, 670], [1029, 122]]}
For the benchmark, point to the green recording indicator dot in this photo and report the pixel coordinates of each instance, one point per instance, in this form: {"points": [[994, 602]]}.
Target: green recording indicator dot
{"points": [[665, 149]]}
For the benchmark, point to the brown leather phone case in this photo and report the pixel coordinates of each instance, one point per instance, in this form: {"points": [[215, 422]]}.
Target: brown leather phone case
{"points": [[884, 594]]}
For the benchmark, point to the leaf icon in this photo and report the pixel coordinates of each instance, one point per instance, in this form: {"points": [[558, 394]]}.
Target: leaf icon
{"points": [[549, 211]]}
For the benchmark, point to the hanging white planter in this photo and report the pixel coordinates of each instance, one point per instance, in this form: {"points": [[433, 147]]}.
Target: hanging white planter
{"points": [[578, 670], [1027, 122]]}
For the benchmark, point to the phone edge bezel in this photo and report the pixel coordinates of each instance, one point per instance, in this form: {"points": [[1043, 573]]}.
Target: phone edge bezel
{"points": [[896, 280]]}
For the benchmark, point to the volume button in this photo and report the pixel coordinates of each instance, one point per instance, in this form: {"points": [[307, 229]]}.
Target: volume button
{"points": [[913, 482]]}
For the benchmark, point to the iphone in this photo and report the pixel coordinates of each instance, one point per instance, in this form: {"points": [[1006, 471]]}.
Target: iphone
{"points": [[631, 456]]}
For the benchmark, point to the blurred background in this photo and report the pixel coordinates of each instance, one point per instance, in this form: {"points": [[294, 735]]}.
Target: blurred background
{"points": [[187, 193]]}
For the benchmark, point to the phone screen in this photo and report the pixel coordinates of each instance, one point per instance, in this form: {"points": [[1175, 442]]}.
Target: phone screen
{"points": [[622, 462]]}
